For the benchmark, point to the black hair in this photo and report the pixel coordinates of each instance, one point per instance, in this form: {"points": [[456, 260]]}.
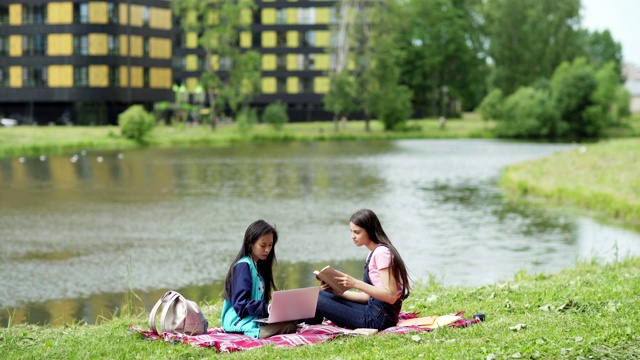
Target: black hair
{"points": [[256, 230], [368, 220]]}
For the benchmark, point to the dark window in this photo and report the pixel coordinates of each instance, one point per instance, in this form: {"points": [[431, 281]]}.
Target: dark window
{"points": [[81, 13], [114, 76], [4, 14], [4, 77], [306, 85], [145, 46], [34, 14], [282, 85], [4, 45], [114, 44], [34, 76], [256, 41], [281, 62], [281, 38], [80, 44], [80, 76], [145, 16], [145, 77], [114, 13], [34, 45]]}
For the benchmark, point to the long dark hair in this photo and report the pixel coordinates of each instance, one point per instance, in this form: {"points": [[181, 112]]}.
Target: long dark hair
{"points": [[265, 267], [368, 220]]}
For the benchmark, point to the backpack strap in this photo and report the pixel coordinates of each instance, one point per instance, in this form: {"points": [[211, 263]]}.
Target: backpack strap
{"points": [[164, 299], [171, 297]]}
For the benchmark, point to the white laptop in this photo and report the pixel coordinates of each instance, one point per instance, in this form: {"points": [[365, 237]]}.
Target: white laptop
{"points": [[295, 304]]}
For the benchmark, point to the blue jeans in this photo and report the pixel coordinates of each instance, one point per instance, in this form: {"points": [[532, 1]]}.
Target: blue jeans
{"points": [[375, 314]]}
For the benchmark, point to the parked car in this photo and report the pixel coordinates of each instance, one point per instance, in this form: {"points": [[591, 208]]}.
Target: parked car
{"points": [[8, 122]]}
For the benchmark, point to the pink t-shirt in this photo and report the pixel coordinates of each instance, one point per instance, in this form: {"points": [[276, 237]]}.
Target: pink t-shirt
{"points": [[381, 259]]}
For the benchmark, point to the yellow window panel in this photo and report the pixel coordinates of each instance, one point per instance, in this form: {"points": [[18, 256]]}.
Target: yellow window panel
{"points": [[293, 85], [215, 62], [15, 76], [160, 18], [60, 13], [321, 85], [191, 61], [293, 39], [322, 62], [213, 17], [136, 46], [192, 84], [124, 76], [15, 45], [269, 85], [137, 77], [123, 15], [323, 15], [322, 38], [15, 15], [98, 44], [246, 16], [246, 39], [269, 62], [60, 75], [98, 75], [192, 40], [247, 87], [159, 78], [98, 12], [269, 39], [136, 15], [159, 48], [124, 45], [269, 16], [292, 16], [351, 64], [65, 44], [292, 61]]}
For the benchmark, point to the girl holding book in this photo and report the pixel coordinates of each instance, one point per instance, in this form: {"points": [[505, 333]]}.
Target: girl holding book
{"points": [[249, 283], [378, 301]]}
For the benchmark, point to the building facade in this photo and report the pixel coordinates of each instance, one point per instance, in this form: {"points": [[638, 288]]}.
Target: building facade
{"points": [[84, 62]]}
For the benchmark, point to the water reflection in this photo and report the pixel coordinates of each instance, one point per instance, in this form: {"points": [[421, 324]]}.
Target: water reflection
{"points": [[76, 234]]}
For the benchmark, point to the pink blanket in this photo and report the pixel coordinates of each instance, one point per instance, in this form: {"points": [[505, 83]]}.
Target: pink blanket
{"points": [[305, 335]]}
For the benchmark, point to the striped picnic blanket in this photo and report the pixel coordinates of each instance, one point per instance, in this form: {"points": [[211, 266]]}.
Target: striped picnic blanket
{"points": [[305, 335]]}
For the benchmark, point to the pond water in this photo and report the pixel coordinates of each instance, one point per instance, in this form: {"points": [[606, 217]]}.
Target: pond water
{"points": [[82, 236]]}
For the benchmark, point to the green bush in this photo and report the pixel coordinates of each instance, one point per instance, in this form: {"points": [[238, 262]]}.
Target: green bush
{"points": [[135, 123], [276, 115], [394, 111], [529, 113], [491, 106], [245, 120]]}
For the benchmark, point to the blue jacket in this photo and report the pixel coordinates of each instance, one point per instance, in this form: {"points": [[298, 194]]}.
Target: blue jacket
{"points": [[246, 302]]}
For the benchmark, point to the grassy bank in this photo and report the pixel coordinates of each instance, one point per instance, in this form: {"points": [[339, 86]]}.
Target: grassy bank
{"points": [[603, 178], [35, 141], [589, 311]]}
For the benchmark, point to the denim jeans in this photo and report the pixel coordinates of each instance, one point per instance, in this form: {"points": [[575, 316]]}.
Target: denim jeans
{"points": [[375, 314]]}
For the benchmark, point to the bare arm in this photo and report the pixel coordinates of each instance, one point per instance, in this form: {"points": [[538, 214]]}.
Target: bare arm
{"points": [[387, 293]]}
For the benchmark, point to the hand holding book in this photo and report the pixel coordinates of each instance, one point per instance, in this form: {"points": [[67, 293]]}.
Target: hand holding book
{"points": [[328, 276]]}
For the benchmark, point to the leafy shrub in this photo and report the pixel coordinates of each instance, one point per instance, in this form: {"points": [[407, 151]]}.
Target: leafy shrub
{"points": [[135, 123], [276, 115], [529, 113], [491, 106], [245, 120], [394, 111]]}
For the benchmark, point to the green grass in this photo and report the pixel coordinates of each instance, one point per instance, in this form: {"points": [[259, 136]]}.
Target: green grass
{"points": [[588, 311], [603, 178], [34, 141]]}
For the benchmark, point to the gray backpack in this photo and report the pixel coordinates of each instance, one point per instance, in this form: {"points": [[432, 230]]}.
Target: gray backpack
{"points": [[179, 315]]}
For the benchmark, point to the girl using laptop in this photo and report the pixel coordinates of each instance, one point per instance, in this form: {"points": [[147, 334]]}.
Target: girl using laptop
{"points": [[249, 283], [378, 302]]}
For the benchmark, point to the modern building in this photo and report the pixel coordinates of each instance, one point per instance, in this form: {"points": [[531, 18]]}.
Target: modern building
{"points": [[83, 61], [71, 60]]}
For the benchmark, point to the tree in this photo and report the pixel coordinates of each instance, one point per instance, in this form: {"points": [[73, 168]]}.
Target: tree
{"points": [[528, 39], [600, 48], [230, 76], [340, 98], [444, 60]]}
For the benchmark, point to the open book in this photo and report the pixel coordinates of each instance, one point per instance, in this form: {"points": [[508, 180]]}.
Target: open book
{"points": [[327, 275]]}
